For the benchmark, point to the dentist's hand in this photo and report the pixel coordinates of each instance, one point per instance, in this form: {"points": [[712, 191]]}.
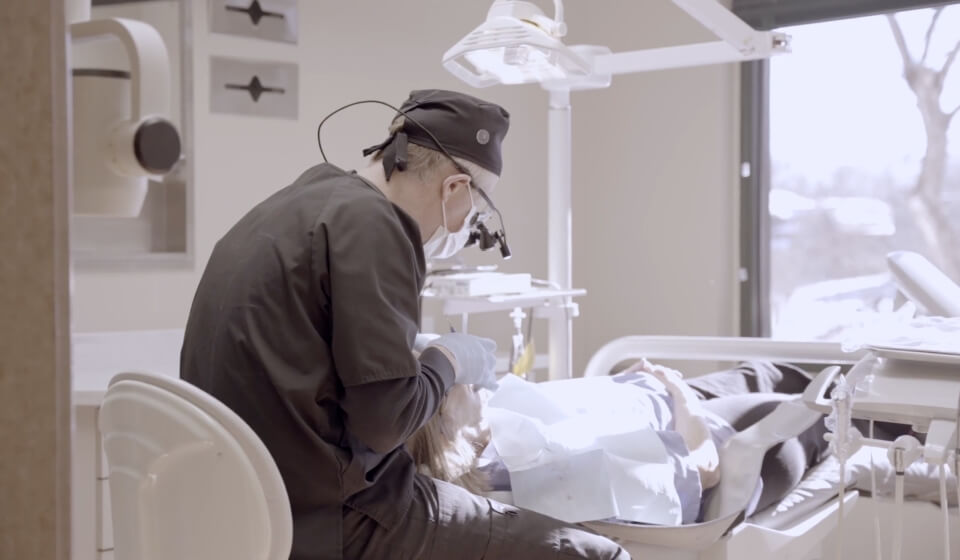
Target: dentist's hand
{"points": [[474, 357]]}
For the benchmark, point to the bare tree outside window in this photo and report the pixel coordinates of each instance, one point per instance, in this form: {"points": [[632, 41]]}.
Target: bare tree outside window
{"points": [[926, 200], [864, 162]]}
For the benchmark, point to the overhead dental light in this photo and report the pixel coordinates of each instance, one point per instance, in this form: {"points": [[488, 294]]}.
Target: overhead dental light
{"points": [[518, 44]]}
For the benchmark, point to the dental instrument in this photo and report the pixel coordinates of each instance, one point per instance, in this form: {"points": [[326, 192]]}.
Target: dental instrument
{"points": [[844, 441], [904, 451], [956, 454], [517, 315], [916, 388], [525, 362], [877, 543], [938, 451], [944, 507]]}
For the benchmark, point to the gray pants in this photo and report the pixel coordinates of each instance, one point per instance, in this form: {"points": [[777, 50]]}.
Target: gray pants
{"points": [[447, 522]]}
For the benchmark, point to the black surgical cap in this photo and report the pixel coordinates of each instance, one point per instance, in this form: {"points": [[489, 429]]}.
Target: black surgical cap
{"points": [[466, 127]]}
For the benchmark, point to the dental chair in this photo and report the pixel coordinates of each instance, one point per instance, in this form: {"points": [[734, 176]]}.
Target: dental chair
{"points": [[726, 534], [795, 531], [188, 478]]}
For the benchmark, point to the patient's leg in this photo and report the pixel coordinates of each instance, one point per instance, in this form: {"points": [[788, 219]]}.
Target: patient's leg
{"points": [[766, 378], [751, 377], [785, 464]]}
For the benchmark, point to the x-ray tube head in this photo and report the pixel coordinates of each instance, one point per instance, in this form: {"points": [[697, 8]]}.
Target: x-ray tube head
{"points": [[121, 134]]}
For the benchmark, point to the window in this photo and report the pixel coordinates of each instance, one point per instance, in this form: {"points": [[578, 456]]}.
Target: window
{"points": [[864, 159]]}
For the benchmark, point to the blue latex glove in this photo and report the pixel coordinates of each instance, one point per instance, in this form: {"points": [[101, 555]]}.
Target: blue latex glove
{"points": [[423, 340], [475, 358]]}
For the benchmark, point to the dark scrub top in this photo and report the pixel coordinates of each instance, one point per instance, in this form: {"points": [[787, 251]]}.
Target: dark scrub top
{"points": [[303, 324]]}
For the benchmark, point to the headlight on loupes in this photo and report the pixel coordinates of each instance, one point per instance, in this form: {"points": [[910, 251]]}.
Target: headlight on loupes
{"points": [[481, 236]]}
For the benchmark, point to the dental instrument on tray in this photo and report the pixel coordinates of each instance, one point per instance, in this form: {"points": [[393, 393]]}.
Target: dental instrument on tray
{"points": [[903, 452], [877, 541], [844, 439], [516, 350], [524, 362], [956, 454]]}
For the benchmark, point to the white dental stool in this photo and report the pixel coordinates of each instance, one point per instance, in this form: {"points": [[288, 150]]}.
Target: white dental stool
{"points": [[188, 478]]}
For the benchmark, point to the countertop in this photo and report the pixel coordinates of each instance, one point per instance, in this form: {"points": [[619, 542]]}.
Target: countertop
{"points": [[98, 356]]}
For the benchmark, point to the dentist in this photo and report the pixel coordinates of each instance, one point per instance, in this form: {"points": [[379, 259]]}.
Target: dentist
{"points": [[304, 321]]}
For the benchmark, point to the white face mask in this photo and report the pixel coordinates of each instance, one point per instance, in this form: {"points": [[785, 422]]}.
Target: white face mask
{"points": [[444, 243]]}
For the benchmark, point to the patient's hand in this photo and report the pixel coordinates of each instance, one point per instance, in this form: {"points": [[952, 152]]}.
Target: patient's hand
{"points": [[671, 379]]}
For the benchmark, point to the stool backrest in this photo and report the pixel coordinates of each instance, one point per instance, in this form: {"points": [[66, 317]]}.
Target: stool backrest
{"points": [[188, 478]]}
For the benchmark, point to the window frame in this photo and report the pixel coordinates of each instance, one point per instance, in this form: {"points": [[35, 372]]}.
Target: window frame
{"points": [[755, 180], [771, 14]]}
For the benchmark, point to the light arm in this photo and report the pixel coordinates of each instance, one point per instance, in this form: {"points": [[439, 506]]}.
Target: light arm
{"points": [[558, 17], [681, 56], [738, 42]]}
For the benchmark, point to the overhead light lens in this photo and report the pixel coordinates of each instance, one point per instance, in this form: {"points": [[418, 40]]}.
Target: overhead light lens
{"points": [[520, 64], [516, 55], [511, 48]]}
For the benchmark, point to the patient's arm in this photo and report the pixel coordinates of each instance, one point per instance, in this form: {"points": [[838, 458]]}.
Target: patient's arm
{"points": [[689, 421], [692, 427]]}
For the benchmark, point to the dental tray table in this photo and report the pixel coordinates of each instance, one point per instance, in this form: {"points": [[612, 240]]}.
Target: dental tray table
{"points": [[541, 298]]}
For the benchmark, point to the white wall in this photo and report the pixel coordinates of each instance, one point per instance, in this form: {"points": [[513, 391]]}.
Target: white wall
{"points": [[654, 205]]}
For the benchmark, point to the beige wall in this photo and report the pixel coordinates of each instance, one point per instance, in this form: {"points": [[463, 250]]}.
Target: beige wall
{"points": [[654, 199], [34, 320], [656, 232]]}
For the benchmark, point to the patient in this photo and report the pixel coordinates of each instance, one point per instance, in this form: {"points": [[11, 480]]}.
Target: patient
{"points": [[705, 410], [447, 447]]}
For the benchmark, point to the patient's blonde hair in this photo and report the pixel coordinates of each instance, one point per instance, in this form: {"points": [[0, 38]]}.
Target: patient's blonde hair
{"points": [[447, 447], [426, 161]]}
